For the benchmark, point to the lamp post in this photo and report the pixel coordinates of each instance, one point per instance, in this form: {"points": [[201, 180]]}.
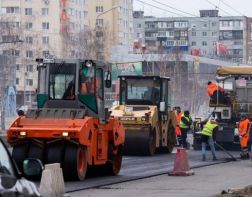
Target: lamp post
{"points": [[99, 34], [114, 7]]}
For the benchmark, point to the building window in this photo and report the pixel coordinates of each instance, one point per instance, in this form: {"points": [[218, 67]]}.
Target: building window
{"points": [[45, 25], [99, 22], [45, 11], [29, 68], [161, 34], [183, 33], [29, 82], [28, 25], [10, 10], [193, 33], [28, 11], [204, 43], [139, 25], [11, 52], [204, 33], [17, 81], [205, 25], [45, 39], [28, 40], [194, 43], [29, 54], [17, 66], [99, 9]]}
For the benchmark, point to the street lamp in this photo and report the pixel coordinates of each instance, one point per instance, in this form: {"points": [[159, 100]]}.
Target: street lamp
{"points": [[98, 33], [114, 7]]}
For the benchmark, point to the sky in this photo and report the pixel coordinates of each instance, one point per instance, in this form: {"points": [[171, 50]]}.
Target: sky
{"points": [[192, 7]]}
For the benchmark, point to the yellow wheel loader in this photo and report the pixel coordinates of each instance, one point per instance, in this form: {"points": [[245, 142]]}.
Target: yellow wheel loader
{"points": [[144, 111]]}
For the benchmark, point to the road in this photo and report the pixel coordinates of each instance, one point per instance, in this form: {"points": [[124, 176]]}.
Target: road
{"points": [[134, 168], [207, 182]]}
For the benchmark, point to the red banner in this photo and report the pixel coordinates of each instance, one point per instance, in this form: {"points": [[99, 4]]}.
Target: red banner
{"points": [[221, 48]]}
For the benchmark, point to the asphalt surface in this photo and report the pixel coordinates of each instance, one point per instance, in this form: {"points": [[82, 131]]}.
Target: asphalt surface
{"points": [[207, 181], [141, 167]]}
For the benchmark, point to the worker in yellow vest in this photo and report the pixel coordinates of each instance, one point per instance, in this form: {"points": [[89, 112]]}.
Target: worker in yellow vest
{"points": [[185, 125], [210, 128]]}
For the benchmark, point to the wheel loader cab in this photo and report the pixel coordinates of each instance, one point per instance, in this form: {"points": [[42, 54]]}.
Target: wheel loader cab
{"points": [[144, 90]]}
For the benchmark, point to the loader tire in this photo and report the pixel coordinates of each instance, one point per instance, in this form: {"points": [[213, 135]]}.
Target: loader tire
{"points": [[19, 154], [115, 160], [75, 162], [152, 143], [171, 138]]}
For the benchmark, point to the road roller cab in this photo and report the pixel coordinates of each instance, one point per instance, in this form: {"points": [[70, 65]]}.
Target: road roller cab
{"points": [[70, 125], [144, 110]]}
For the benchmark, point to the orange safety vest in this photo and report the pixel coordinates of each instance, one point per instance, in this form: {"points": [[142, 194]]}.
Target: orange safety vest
{"points": [[178, 118], [244, 129], [89, 87], [211, 88]]}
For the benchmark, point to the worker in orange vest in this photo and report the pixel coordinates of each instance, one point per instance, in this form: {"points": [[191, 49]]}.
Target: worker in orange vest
{"points": [[244, 131], [215, 92], [178, 131]]}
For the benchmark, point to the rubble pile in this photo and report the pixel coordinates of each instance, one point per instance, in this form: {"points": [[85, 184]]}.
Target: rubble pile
{"points": [[241, 192]]}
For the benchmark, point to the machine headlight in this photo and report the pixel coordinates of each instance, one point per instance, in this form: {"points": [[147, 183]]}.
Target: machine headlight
{"points": [[23, 133], [143, 118], [65, 134]]}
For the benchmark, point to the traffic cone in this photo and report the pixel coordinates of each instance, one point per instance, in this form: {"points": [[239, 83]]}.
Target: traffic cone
{"points": [[181, 164]]}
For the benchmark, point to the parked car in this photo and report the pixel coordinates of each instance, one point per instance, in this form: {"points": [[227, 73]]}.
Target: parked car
{"points": [[12, 181]]}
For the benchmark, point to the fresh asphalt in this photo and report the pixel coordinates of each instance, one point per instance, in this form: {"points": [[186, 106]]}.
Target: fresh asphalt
{"points": [[208, 181], [135, 168]]}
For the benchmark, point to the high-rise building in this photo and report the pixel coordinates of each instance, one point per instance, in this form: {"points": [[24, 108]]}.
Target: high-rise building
{"points": [[226, 38], [42, 28], [116, 18]]}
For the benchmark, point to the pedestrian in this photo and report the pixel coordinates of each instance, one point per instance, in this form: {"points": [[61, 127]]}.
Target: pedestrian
{"points": [[244, 131], [208, 137], [216, 93], [178, 131], [184, 125]]}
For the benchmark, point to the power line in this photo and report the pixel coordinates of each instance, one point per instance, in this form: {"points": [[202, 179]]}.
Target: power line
{"points": [[160, 8], [217, 7], [174, 8], [231, 7]]}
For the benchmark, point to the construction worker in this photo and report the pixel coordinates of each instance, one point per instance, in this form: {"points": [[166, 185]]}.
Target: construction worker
{"points": [[215, 92], [178, 118], [208, 133], [88, 81], [184, 125], [70, 91], [244, 131]]}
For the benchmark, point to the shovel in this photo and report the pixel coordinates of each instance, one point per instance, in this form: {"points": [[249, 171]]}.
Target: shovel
{"points": [[228, 153]]}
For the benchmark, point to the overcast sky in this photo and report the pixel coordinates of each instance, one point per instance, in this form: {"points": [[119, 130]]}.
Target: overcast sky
{"points": [[226, 7]]}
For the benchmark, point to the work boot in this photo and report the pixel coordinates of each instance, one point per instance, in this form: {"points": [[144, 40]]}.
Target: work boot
{"points": [[214, 159]]}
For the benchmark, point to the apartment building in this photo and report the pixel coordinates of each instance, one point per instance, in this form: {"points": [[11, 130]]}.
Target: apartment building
{"points": [[41, 28], [202, 36], [116, 17]]}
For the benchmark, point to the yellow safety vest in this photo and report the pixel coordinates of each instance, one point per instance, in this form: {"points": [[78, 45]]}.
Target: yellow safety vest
{"points": [[208, 128], [182, 125]]}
